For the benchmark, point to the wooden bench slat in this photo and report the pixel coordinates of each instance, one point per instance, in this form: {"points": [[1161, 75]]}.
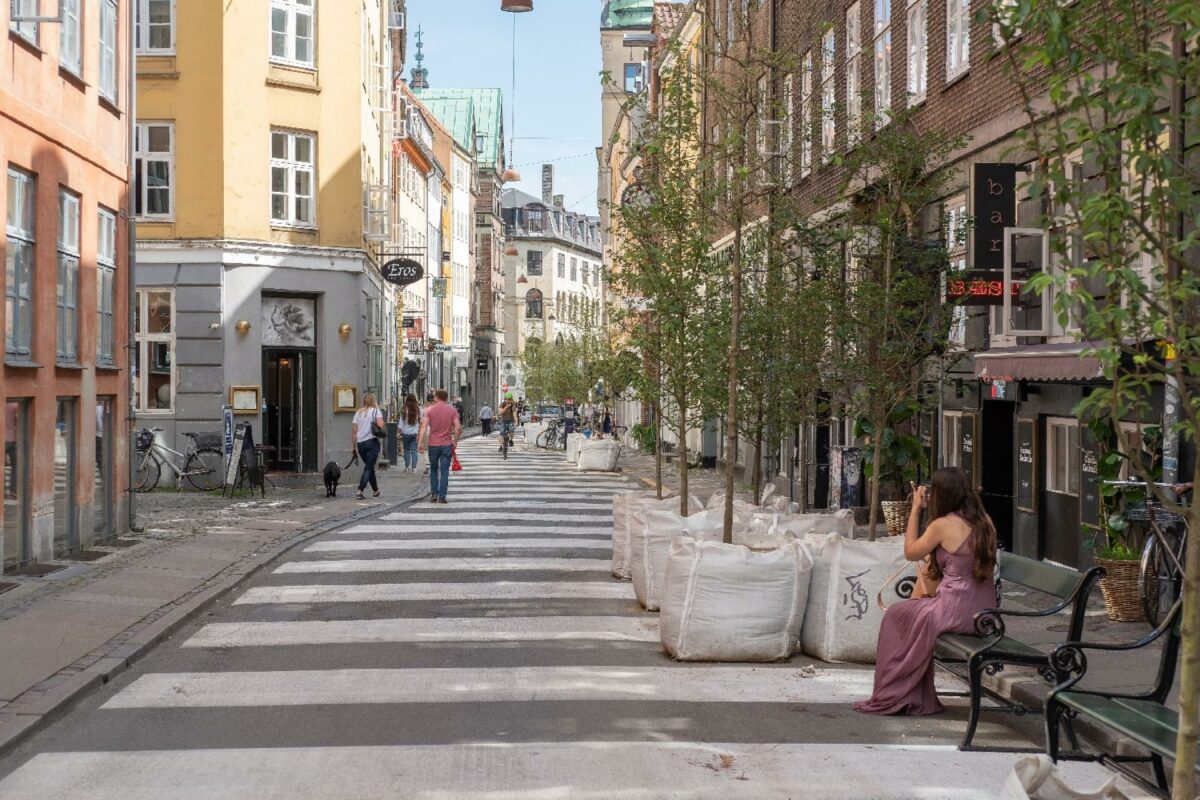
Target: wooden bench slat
{"points": [[963, 645], [1046, 578], [1151, 725]]}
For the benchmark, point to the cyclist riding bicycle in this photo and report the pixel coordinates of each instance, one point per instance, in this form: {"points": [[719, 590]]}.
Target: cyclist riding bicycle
{"points": [[508, 419]]}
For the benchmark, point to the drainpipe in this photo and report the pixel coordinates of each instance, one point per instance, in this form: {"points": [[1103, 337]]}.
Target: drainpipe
{"points": [[130, 260]]}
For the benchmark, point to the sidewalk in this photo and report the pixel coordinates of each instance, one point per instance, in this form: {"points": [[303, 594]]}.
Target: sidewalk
{"points": [[73, 629]]}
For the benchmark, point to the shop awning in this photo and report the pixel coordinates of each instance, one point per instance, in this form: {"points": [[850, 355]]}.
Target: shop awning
{"points": [[1038, 362]]}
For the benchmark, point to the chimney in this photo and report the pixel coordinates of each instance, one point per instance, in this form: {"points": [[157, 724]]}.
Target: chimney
{"points": [[547, 183], [558, 201]]}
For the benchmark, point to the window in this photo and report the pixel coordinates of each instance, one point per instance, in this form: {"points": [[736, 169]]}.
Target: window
{"points": [[596, 276], [956, 250], [574, 269], [533, 262], [883, 62], [154, 367], [154, 169], [786, 133], [853, 78], [1006, 12], [108, 50], [18, 284], [918, 47], [828, 120], [583, 268], [533, 304], [292, 166], [1062, 456], [562, 265], [292, 31], [155, 30], [67, 296], [17, 517], [24, 8], [70, 48], [633, 78], [958, 37], [535, 220], [952, 425], [806, 89], [106, 285]]}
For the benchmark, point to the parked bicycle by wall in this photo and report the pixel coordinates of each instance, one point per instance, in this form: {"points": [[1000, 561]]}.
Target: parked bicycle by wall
{"points": [[1160, 576], [204, 467]]}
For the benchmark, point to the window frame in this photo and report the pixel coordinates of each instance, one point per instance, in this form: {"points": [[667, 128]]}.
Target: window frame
{"points": [[290, 7], [806, 92], [958, 32], [530, 267], [21, 235], [951, 439], [75, 66], [853, 70], [293, 167], [534, 301], [66, 303], [106, 78], [828, 94], [916, 72], [29, 31], [881, 58], [143, 26], [144, 339], [141, 156], [106, 287], [1071, 454]]}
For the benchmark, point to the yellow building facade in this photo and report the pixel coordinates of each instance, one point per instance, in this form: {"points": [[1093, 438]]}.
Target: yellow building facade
{"points": [[264, 156]]}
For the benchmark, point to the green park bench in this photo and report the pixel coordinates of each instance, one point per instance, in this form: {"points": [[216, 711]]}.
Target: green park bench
{"points": [[1141, 717]]}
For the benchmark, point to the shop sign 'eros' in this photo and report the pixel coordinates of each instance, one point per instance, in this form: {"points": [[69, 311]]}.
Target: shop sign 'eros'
{"points": [[402, 271], [995, 200], [980, 288]]}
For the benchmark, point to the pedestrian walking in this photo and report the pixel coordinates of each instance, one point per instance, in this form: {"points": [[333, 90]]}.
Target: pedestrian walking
{"points": [[485, 419], [410, 426], [458, 406], [366, 430], [440, 429]]}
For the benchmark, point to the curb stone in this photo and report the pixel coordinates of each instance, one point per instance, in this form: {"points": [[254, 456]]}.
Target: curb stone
{"points": [[46, 701]]}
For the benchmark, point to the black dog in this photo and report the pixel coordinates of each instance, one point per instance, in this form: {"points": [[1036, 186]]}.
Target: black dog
{"points": [[333, 474]]}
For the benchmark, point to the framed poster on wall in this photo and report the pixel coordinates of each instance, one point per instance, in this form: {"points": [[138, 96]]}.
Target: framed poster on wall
{"points": [[345, 398], [245, 399]]}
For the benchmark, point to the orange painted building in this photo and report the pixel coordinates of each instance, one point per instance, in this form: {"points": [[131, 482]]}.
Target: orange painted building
{"points": [[64, 100]]}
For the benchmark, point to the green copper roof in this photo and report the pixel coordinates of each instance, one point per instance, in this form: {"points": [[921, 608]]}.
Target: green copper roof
{"points": [[621, 14], [460, 109]]}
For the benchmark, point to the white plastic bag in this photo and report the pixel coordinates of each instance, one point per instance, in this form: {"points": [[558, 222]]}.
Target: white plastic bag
{"points": [[1036, 778], [842, 619], [649, 545], [599, 455], [725, 602]]}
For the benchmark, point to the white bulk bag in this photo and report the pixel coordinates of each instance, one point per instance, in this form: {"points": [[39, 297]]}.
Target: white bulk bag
{"points": [[599, 455], [635, 520], [574, 442], [649, 544], [842, 619], [620, 557], [803, 524], [724, 602], [532, 430]]}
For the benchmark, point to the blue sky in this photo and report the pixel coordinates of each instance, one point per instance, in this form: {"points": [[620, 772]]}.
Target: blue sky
{"points": [[468, 44]]}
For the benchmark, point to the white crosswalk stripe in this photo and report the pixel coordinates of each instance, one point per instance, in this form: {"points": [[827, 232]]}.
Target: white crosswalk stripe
{"points": [[481, 651]]}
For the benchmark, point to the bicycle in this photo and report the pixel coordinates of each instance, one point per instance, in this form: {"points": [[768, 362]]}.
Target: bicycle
{"points": [[1160, 574], [553, 437], [204, 467], [506, 434]]}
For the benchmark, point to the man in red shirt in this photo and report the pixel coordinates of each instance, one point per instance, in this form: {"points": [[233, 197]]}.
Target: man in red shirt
{"points": [[443, 428]]}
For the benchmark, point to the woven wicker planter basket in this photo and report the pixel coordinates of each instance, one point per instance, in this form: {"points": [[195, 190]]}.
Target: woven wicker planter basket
{"points": [[895, 514], [1119, 587]]}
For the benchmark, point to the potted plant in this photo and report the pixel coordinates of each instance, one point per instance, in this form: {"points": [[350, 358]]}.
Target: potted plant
{"points": [[901, 458], [1114, 544]]}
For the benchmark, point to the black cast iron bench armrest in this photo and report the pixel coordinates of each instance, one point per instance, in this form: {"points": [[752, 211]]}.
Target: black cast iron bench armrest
{"points": [[1069, 657]]}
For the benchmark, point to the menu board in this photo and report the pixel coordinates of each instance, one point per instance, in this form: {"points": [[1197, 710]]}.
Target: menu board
{"points": [[968, 446], [1027, 456], [1089, 479]]}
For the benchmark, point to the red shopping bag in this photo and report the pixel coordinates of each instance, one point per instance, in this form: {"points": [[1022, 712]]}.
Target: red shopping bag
{"points": [[454, 465]]}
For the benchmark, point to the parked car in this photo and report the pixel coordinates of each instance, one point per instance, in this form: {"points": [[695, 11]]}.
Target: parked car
{"points": [[543, 411]]}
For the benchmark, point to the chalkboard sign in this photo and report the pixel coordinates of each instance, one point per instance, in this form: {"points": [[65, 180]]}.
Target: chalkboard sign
{"points": [[1027, 456], [928, 433], [242, 455], [968, 446], [1089, 479]]}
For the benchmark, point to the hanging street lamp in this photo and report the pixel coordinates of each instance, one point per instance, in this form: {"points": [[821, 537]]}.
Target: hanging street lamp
{"points": [[516, 6]]}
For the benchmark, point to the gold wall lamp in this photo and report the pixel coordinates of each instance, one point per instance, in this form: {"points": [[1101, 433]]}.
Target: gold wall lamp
{"points": [[242, 326], [344, 329]]}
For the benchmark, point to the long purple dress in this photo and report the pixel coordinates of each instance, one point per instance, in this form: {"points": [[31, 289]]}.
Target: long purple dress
{"points": [[904, 660]]}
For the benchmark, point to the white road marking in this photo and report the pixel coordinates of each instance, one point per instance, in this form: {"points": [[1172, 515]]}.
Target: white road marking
{"points": [[469, 629], [534, 771], [498, 516], [684, 684], [400, 592], [448, 565], [551, 543], [424, 527], [505, 508]]}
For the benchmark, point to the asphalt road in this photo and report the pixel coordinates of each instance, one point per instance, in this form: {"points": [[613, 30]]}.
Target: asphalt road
{"points": [[481, 649]]}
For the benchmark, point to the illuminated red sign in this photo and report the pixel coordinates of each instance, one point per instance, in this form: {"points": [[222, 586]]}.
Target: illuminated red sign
{"points": [[979, 288]]}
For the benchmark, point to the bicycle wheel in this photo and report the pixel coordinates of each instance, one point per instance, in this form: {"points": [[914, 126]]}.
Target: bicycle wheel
{"points": [[1159, 582], [148, 472], [205, 470], [545, 439], [504, 445]]}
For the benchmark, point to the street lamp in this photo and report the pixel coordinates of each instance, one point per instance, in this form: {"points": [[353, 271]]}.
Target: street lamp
{"points": [[516, 6]]}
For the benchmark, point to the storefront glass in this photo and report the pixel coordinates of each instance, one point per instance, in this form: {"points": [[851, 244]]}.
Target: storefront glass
{"points": [[103, 485], [66, 471], [16, 483]]}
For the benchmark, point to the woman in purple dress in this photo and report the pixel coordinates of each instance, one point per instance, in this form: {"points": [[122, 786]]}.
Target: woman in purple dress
{"points": [[957, 582]]}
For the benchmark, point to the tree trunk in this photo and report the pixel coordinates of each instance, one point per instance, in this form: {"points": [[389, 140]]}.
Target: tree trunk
{"points": [[1184, 783], [658, 447], [876, 462], [757, 478], [731, 420], [683, 459]]}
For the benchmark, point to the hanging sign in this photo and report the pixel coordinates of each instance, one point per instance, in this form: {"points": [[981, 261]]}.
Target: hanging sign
{"points": [[481, 363], [994, 191], [979, 288], [438, 288], [402, 271]]}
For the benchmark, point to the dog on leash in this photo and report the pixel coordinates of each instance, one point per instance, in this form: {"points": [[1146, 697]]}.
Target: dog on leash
{"points": [[333, 474]]}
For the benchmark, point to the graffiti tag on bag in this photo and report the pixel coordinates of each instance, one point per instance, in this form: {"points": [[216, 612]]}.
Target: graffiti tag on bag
{"points": [[856, 599]]}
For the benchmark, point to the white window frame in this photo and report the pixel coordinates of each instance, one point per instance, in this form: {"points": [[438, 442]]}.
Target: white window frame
{"points": [[956, 250], [958, 38], [70, 38], [806, 90], [106, 286], [293, 9], [828, 94], [1001, 8], [1062, 434], [951, 439], [144, 339], [21, 231], [29, 31], [292, 168], [66, 303], [144, 26], [881, 49], [917, 72], [107, 80], [853, 71], [787, 132], [143, 156]]}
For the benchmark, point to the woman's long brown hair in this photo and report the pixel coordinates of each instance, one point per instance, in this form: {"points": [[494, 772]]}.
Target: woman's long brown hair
{"points": [[951, 493], [412, 410]]}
